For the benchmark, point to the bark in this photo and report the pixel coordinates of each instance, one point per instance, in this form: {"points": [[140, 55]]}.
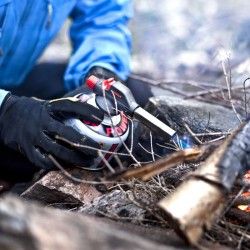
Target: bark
{"points": [[56, 188], [199, 200]]}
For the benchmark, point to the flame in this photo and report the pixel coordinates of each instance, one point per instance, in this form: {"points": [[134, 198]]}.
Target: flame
{"points": [[245, 208], [247, 176], [183, 142], [246, 194]]}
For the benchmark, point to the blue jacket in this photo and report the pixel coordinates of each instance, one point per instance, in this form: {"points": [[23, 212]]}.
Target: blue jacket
{"points": [[98, 33]]}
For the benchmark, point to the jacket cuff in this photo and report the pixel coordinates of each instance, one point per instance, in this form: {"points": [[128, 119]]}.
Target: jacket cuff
{"points": [[3, 94]]}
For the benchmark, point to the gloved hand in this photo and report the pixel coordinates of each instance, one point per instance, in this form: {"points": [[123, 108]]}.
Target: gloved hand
{"points": [[31, 126], [102, 73]]}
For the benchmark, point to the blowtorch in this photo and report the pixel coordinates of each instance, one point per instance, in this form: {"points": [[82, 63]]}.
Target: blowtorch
{"points": [[118, 104], [123, 100]]}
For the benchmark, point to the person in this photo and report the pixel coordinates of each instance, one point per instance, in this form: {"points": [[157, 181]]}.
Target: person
{"points": [[101, 44]]}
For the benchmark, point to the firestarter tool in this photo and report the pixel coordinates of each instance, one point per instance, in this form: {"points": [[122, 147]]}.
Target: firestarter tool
{"points": [[122, 99], [118, 104]]}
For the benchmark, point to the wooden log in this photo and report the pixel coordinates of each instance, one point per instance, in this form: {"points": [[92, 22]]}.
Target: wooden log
{"points": [[56, 188], [29, 226], [196, 203], [150, 170]]}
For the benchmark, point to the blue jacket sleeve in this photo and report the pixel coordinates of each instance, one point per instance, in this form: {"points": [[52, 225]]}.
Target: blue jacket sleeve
{"points": [[100, 37], [3, 93]]}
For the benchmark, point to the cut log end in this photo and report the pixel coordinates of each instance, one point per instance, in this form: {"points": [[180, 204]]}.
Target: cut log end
{"points": [[190, 210]]}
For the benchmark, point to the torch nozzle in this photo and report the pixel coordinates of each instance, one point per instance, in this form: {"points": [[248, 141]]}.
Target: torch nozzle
{"points": [[152, 122]]}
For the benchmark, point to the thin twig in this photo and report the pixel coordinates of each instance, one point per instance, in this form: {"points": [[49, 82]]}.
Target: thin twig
{"points": [[171, 147], [112, 123], [153, 82], [245, 96], [78, 145], [228, 79], [212, 134], [151, 146], [107, 164], [243, 236], [217, 139], [147, 151], [230, 205], [73, 178], [119, 162], [192, 134]]}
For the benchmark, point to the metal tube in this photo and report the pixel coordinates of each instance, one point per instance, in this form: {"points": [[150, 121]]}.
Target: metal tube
{"points": [[152, 122]]}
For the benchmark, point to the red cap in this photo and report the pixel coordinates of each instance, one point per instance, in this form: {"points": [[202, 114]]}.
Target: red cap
{"points": [[92, 81], [107, 84]]}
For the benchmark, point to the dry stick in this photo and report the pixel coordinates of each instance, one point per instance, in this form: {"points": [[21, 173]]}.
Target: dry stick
{"points": [[212, 91], [167, 147], [243, 236], [118, 161], [153, 157], [229, 83], [217, 139], [146, 172], [124, 144], [66, 173], [192, 134], [245, 96], [233, 228], [106, 162], [174, 90], [147, 151], [116, 106], [214, 102], [151, 146], [132, 134], [212, 134], [208, 187], [231, 204], [198, 97], [223, 95], [171, 81], [177, 143], [160, 84], [241, 201], [204, 92], [78, 145]]}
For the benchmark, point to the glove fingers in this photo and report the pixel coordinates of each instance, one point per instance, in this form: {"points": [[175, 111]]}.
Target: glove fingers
{"points": [[102, 73], [68, 155], [70, 134], [76, 109], [41, 160], [80, 90]]}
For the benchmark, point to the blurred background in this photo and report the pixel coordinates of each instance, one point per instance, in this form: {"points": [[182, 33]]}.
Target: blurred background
{"points": [[181, 39]]}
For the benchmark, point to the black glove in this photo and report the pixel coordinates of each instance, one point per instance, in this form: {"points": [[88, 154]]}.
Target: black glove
{"points": [[102, 73], [31, 126]]}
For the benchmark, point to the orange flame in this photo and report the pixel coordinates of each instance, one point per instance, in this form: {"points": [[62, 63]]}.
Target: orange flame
{"points": [[246, 194], [245, 208], [247, 176]]}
